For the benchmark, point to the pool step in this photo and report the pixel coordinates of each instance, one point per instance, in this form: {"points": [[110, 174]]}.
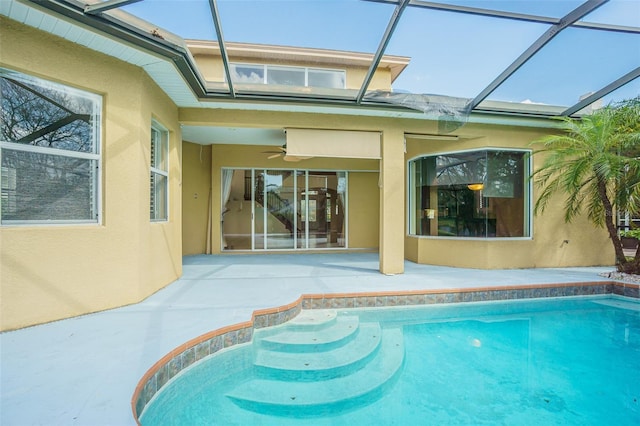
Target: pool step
{"points": [[321, 365], [313, 319], [304, 398], [313, 338]]}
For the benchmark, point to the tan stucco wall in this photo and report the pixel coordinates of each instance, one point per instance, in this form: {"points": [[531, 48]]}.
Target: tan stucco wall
{"points": [[196, 190], [53, 272], [364, 210], [587, 246], [392, 201]]}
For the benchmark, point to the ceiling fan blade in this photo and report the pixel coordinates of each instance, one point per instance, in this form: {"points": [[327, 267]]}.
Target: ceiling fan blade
{"points": [[282, 150]]}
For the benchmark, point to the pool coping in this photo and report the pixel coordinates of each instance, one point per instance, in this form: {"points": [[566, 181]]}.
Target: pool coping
{"points": [[209, 343]]}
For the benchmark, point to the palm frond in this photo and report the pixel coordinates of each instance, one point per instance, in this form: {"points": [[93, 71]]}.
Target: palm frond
{"points": [[591, 153]]}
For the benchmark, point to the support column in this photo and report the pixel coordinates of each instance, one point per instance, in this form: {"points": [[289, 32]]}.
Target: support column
{"points": [[392, 202]]}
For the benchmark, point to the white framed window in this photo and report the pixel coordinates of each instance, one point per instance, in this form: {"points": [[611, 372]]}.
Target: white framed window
{"points": [[474, 194], [331, 79], [288, 75], [49, 150], [248, 73], [159, 203]]}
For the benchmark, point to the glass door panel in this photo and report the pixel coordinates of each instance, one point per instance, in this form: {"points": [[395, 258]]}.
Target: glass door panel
{"points": [[301, 214], [316, 209], [325, 199], [338, 210], [260, 176], [279, 209], [236, 209]]}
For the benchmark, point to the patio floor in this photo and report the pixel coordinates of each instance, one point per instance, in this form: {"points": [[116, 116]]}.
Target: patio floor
{"points": [[83, 371]]}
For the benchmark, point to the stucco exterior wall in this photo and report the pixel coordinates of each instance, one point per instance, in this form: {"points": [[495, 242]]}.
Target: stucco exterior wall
{"points": [[553, 243], [196, 191], [364, 210], [59, 271], [546, 247]]}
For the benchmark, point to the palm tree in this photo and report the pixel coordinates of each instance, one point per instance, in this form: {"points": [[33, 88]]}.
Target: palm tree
{"points": [[595, 162]]}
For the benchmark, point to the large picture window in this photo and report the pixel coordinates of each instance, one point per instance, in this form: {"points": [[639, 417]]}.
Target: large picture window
{"points": [[50, 150], [470, 194], [159, 172]]}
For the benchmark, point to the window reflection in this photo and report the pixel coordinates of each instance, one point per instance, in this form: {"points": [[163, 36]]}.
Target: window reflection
{"points": [[288, 76], [247, 74], [470, 194], [283, 209]]}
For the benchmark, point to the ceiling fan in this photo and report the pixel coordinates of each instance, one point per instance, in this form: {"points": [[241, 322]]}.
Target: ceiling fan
{"points": [[282, 152]]}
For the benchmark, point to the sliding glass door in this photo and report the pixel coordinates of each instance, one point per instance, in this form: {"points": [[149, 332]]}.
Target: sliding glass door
{"points": [[274, 194], [289, 209], [326, 210]]}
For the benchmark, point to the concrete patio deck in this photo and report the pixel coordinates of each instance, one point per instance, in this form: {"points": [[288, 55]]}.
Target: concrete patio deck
{"points": [[83, 371]]}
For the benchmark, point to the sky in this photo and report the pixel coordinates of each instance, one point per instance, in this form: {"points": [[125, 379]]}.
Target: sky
{"points": [[451, 54]]}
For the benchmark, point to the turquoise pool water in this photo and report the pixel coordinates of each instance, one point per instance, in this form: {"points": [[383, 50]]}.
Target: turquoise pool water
{"points": [[570, 361]]}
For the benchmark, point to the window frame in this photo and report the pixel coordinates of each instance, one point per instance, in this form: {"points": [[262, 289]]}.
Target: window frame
{"points": [[306, 70], [527, 194], [261, 220], [157, 128], [94, 156]]}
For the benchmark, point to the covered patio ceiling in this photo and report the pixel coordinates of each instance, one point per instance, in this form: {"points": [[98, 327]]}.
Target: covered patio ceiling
{"points": [[526, 58]]}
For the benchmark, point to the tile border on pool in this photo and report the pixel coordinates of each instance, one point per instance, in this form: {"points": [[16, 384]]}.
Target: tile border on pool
{"points": [[209, 343]]}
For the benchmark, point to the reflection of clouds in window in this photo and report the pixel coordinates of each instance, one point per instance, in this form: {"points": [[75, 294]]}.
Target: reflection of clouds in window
{"points": [[327, 79], [250, 74], [245, 76], [286, 76]]}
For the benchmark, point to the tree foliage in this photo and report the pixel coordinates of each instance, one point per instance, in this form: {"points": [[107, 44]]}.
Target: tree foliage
{"points": [[595, 163]]}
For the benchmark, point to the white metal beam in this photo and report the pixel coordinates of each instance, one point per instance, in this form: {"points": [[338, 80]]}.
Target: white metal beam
{"points": [[630, 76], [223, 50], [96, 8], [573, 16], [393, 22]]}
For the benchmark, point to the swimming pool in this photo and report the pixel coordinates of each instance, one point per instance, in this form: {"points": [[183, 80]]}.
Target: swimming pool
{"points": [[544, 361]]}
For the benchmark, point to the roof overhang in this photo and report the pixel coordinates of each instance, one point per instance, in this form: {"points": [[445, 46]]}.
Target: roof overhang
{"points": [[291, 54]]}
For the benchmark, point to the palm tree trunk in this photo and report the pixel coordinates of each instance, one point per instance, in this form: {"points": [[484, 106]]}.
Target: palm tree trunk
{"points": [[611, 227]]}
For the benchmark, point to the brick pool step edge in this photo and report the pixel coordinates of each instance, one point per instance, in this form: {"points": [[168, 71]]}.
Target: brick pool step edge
{"points": [[207, 344]]}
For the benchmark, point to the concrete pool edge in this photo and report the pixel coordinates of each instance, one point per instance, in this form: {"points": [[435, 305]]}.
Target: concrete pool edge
{"points": [[209, 343]]}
